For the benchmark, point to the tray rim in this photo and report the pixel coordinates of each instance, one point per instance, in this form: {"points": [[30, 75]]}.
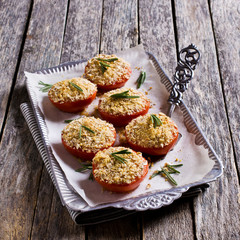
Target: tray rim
{"points": [[141, 203]]}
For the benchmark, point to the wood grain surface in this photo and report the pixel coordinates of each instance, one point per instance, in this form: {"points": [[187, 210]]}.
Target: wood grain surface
{"points": [[40, 34]]}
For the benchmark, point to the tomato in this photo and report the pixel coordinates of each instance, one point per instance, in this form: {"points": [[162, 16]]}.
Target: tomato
{"points": [[75, 106], [122, 188], [83, 155], [123, 120], [153, 151], [119, 83]]}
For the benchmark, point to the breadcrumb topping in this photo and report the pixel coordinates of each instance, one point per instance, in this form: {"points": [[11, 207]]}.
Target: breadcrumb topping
{"points": [[141, 131], [63, 91], [103, 136], [123, 106], [109, 170], [117, 71]]}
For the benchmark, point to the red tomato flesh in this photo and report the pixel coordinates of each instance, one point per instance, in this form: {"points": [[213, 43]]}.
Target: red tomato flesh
{"points": [[122, 188], [73, 107], [123, 120], [153, 151], [83, 155]]}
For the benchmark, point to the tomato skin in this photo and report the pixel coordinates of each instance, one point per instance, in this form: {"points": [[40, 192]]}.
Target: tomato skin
{"points": [[122, 120], [122, 188], [84, 156], [153, 151], [118, 84], [73, 107]]}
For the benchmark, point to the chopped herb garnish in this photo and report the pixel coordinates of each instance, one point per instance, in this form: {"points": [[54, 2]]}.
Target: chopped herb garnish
{"points": [[156, 121], [68, 120], [125, 151], [76, 86], [141, 79], [80, 132], [103, 68], [107, 60], [84, 167], [169, 176], [90, 130], [166, 171], [120, 159], [123, 95], [46, 87]]}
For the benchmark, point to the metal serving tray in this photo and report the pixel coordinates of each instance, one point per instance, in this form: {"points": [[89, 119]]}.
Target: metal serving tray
{"points": [[79, 210]]}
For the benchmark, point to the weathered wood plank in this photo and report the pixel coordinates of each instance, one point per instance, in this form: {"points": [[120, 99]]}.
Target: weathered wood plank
{"points": [[83, 29], [217, 214], [225, 16], [157, 35], [13, 20], [119, 26], [119, 31], [21, 166]]}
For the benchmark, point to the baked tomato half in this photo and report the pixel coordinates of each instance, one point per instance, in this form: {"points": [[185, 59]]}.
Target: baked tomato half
{"points": [[72, 95], [85, 136], [119, 169], [108, 72], [153, 134], [121, 105]]}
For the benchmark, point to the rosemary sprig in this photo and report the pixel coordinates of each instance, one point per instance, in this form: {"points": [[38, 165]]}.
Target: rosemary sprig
{"points": [[156, 121], [76, 86], [120, 159], [90, 130], [125, 151], [169, 176], [167, 170], [107, 60], [80, 132], [68, 120], [46, 87], [141, 79], [84, 167], [104, 64], [123, 95], [103, 68]]}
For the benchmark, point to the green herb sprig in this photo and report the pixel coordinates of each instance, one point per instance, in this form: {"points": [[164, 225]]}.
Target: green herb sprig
{"points": [[107, 60], [156, 121], [86, 167], [76, 86], [141, 79], [166, 171], [120, 159], [46, 87], [88, 129], [123, 95]]}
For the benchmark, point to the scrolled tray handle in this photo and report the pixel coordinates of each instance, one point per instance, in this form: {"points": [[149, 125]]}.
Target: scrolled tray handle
{"points": [[188, 59]]}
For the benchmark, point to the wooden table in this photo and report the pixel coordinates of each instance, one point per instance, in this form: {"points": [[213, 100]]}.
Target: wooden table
{"points": [[40, 34]]}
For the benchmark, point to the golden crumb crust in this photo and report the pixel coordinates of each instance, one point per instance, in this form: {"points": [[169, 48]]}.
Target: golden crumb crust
{"points": [[112, 171], [64, 91], [141, 131], [123, 106], [89, 134], [118, 70]]}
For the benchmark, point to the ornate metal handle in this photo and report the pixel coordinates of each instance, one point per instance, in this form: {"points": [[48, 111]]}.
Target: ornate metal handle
{"points": [[189, 57]]}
